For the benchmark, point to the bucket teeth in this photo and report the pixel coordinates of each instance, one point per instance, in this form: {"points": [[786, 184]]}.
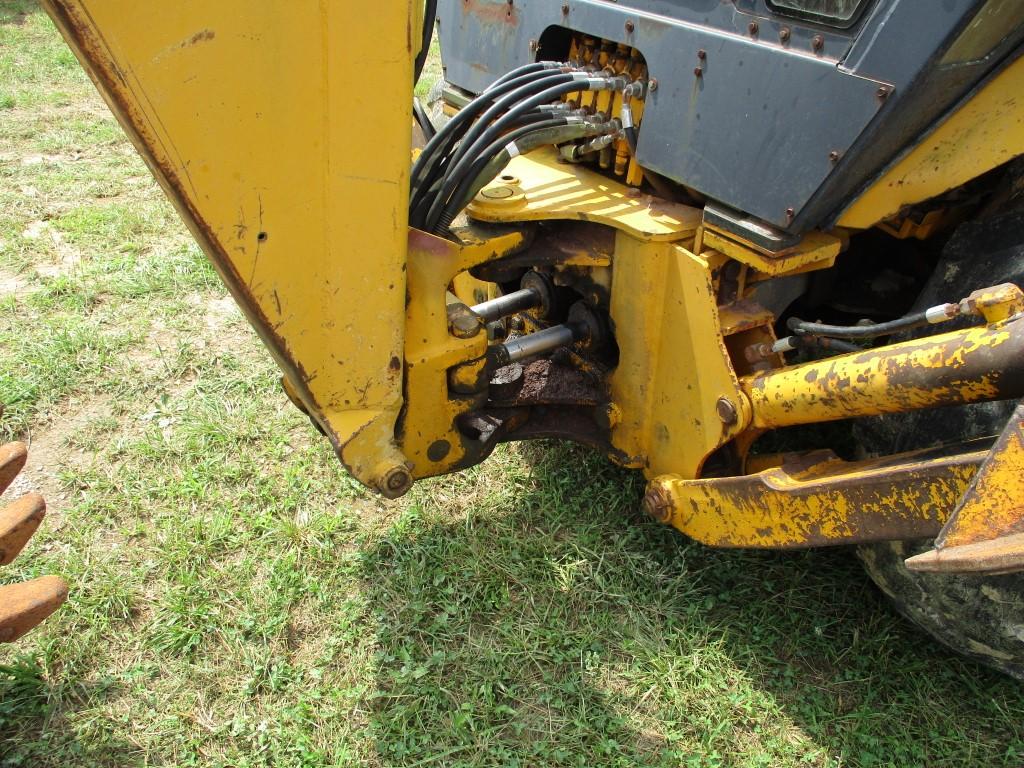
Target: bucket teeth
{"points": [[18, 521], [23, 605], [12, 459]]}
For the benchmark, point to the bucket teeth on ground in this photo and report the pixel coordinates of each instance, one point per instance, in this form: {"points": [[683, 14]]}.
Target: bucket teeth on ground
{"points": [[18, 521], [12, 459], [24, 605]]}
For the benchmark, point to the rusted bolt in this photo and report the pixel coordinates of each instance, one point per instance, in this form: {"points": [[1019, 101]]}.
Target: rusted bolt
{"points": [[652, 84], [817, 42], [629, 26], [726, 411], [702, 54], [657, 504], [698, 71], [755, 353], [752, 28], [462, 322], [565, 9], [533, 46], [789, 214], [396, 481], [833, 156], [883, 92], [784, 34]]}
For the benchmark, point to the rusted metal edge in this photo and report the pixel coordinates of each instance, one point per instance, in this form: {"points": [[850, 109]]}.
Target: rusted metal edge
{"points": [[1004, 554]]}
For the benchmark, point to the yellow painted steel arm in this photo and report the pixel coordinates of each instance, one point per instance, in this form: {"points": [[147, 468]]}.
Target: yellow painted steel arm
{"points": [[967, 366], [266, 129]]}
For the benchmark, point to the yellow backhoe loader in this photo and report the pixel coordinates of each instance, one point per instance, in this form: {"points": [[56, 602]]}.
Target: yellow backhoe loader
{"points": [[766, 252]]}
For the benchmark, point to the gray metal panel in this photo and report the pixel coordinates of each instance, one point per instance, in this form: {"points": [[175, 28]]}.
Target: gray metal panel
{"points": [[900, 37], [757, 129], [754, 132]]}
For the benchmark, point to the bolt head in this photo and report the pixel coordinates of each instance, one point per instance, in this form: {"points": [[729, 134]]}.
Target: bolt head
{"points": [[752, 27], [657, 504], [652, 84], [784, 34], [629, 25], [698, 72], [790, 213], [565, 9], [833, 156], [726, 411], [817, 42], [702, 54], [395, 482]]}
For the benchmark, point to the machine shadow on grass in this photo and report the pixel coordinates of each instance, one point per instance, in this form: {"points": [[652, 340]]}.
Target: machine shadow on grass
{"points": [[555, 625], [32, 714]]}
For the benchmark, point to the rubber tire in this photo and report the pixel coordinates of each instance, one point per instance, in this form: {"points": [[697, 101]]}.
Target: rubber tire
{"points": [[981, 617]]}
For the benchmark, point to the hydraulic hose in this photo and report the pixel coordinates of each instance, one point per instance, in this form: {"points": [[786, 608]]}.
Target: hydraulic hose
{"points": [[429, 18], [500, 107], [459, 123], [450, 134], [525, 69], [428, 165], [498, 154], [937, 314], [488, 133], [420, 205]]}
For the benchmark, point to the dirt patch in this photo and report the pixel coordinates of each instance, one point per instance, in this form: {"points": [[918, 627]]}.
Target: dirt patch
{"points": [[51, 453], [67, 256], [12, 284], [222, 312]]}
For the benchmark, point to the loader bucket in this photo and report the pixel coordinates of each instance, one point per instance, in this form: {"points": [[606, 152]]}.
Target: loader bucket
{"points": [[266, 126]]}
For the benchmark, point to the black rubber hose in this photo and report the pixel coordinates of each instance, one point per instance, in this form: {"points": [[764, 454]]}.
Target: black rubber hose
{"points": [[488, 133], [425, 169], [459, 123], [420, 204], [525, 69], [513, 100], [453, 130], [915, 320], [822, 342], [495, 157], [511, 93], [429, 18], [491, 160], [422, 119]]}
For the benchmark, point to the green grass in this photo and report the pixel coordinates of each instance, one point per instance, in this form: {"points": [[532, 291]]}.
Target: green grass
{"points": [[238, 600]]}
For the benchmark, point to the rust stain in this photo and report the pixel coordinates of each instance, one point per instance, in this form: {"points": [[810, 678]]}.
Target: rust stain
{"points": [[201, 36], [492, 12]]}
